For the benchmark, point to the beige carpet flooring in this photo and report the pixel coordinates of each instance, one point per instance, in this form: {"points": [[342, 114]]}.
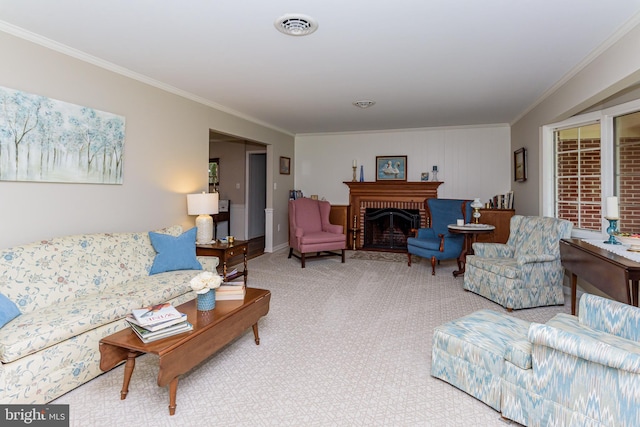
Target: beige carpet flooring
{"points": [[343, 345]]}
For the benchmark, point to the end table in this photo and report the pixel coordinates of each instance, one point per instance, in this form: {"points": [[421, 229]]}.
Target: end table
{"points": [[225, 251], [470, 232]]}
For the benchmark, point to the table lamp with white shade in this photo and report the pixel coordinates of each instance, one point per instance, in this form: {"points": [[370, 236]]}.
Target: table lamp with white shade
{"points": [[203, 205]]}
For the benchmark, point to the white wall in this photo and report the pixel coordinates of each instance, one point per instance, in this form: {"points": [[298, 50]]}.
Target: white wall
{"points": [[610, 73], [166, 152], [473, 161]]}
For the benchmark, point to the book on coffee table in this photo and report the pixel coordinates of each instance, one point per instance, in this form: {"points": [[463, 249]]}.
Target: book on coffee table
{"points": [[155, 314], [147, 336], [234, 290], [157, 326]]}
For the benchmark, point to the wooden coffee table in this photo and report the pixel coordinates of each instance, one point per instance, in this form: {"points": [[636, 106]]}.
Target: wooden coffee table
{"points": [[178, 354]]}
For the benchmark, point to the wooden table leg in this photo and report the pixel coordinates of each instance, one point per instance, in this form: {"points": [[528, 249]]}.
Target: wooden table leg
{"points": [[574, 289], [128, 371], [173, 390], [255, 333], [462, 259], [246, 272]]}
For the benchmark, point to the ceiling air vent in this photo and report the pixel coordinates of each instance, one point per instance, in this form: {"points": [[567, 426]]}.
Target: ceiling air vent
{"points": [[296, 24], [364, 103]]}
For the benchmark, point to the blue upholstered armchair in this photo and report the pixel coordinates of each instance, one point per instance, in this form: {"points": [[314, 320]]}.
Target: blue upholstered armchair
{"points": [[581, 371], [526, 271], [436, 242]]}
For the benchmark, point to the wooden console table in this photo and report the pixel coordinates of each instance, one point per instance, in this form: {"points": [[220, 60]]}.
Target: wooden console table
{"points": [[501, 219], [605, 270], [221, 217]]}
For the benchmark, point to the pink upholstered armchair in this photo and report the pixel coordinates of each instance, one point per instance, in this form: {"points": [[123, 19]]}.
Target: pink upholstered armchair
{"points": [[310, 230]]}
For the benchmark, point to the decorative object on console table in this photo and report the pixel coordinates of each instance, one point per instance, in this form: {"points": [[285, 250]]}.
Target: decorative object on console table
{"points": [[203, 205], [613, 215], [391, 168], [285, 165], [476, 205], [502, 201], [520, 165]]}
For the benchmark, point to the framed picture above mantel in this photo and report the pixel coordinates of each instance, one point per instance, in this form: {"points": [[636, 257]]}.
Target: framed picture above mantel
{"points": [[391, 168]]}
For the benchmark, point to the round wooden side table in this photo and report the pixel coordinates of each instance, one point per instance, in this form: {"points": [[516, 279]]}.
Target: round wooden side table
{"points": [[471, 232]]}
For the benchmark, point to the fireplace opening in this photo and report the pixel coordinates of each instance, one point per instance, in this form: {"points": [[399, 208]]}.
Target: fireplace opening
{"points": [[388, 228]]}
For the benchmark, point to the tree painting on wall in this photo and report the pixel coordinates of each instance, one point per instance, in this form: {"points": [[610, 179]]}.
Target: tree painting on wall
{"points": [[43, 139]]}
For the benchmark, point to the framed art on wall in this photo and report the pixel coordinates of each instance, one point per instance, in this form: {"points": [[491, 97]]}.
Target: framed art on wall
{"points": [[520, 165], [391, 168], [48, 140], [285, 165]]}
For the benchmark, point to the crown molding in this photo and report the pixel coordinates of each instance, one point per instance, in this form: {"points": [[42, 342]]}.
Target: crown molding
{"points": [[85, 57]]}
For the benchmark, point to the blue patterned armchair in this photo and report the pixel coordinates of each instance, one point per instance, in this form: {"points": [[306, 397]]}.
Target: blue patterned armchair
{"points": [[436, 243], [526, 271], [582, 371]]}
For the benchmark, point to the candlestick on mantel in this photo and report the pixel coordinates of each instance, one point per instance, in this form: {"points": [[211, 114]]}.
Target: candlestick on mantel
{"points": [[612, 208]]}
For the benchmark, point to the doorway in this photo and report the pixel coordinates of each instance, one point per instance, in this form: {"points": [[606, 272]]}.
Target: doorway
{"points": [[242, 179], [256, 201]]}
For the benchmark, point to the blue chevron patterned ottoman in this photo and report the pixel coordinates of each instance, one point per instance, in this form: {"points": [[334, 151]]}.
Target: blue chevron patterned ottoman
{"points": [[469, 352]]}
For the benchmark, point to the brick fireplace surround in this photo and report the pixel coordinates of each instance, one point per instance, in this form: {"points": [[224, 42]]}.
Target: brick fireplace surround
{"points": [[386, 194]]}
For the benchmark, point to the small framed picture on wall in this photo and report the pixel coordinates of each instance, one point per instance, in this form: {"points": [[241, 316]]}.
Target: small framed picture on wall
{"points": [[520, 165], [285, 165]]}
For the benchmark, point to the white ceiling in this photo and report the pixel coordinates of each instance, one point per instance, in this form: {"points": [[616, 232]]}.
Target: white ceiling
{"points": [[426, 63]]}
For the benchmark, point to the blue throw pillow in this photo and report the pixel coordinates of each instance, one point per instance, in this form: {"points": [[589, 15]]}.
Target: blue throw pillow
{"points": [[8, 310], [174, 253]]}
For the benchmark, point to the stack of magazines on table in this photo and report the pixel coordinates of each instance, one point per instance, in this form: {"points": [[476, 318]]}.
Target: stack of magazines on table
{"points": [[158, 321], [233, 290]]}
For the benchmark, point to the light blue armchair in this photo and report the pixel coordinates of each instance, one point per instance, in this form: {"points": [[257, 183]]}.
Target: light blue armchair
{"points": [[526, 271], [435, 242], [582, 371]]}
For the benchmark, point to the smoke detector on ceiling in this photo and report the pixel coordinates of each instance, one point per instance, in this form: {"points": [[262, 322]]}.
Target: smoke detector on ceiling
{"points": [[295, 24], [364, 104]]}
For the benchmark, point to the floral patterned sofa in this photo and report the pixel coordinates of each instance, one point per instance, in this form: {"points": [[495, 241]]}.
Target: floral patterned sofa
{"points": [[71, 292], [572, 371]]}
